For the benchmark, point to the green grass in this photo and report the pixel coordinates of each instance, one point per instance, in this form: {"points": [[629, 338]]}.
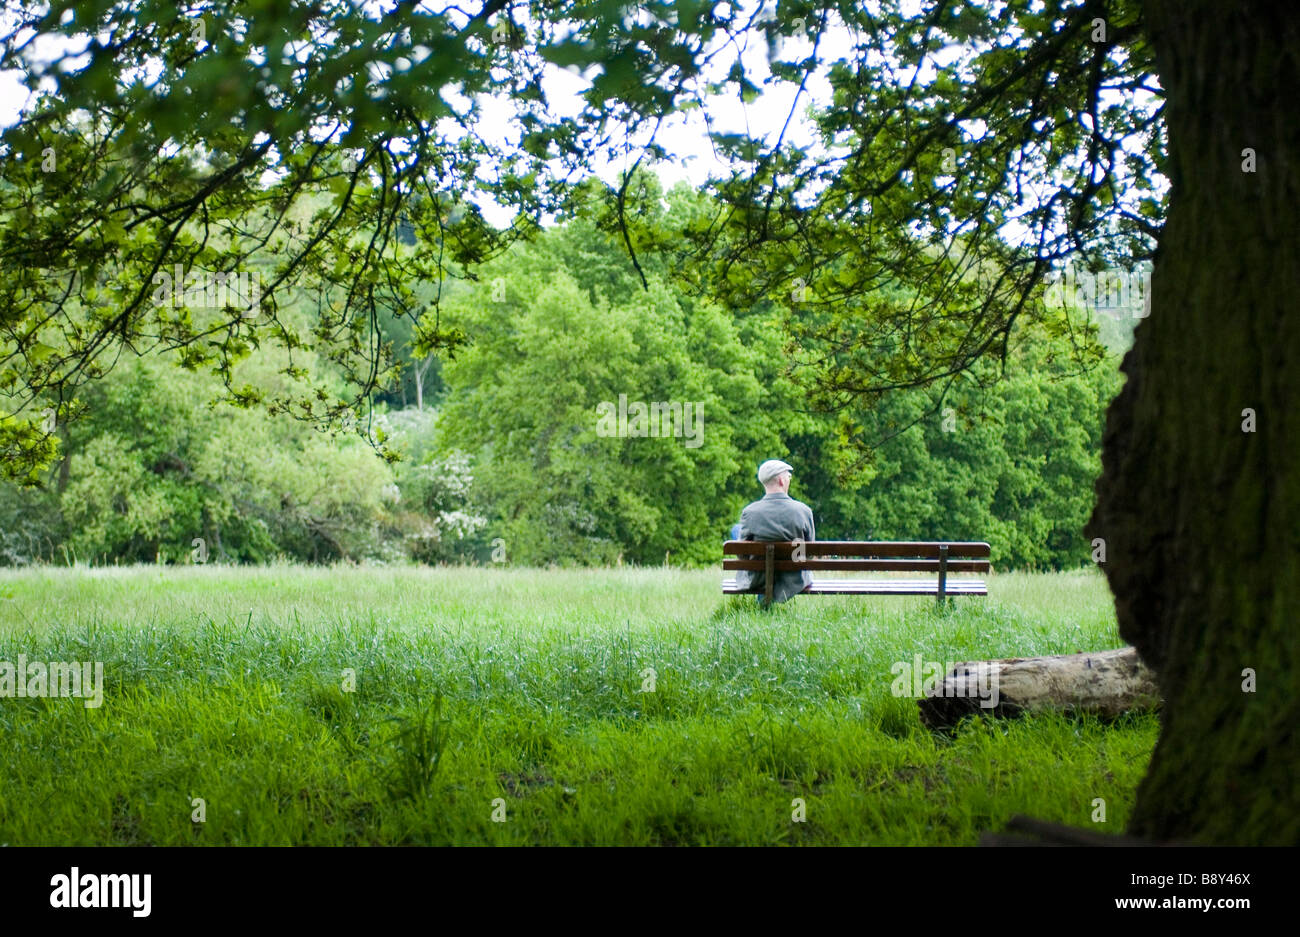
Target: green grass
{"points": [[524, 688]]}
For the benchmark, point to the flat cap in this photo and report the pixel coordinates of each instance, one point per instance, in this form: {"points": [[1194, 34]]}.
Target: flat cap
{"points": [[770, 469]]}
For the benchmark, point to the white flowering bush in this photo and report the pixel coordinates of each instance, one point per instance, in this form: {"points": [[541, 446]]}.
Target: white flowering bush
{"points": [[439, 519]]}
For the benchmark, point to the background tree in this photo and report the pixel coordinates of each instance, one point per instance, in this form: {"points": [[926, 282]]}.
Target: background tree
{"points": [[570, 328]]}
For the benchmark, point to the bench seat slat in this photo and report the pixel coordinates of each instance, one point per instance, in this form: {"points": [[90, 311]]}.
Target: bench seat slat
{"points": [[915, 548], [856, 565], [876, 587]]}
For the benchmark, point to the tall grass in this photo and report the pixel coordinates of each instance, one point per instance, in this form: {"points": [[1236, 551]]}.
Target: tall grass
{"points": [[627, 706]]}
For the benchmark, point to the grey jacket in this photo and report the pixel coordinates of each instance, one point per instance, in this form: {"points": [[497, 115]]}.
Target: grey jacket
{"points": [[777, 517]]}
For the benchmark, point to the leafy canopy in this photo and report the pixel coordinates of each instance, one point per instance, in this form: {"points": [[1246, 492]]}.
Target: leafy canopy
{"points": [[963, 149]]}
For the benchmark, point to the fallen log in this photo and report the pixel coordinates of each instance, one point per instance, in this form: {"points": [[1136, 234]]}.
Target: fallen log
{"points": [[1103, 683]]}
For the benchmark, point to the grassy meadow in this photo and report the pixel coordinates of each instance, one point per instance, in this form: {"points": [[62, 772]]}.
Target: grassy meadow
{"points": [[518, 706]]}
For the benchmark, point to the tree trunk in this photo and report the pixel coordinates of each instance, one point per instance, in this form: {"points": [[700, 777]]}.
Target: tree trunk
{"points": [[1104, 683], [1198, 505], [420, 368]]}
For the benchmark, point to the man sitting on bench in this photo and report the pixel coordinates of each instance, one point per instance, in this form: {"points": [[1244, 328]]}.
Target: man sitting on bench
{"points": [[776, 516]]}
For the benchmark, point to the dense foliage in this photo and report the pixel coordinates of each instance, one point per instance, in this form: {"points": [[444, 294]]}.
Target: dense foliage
{"points": [[838, 303], [513, 464]]}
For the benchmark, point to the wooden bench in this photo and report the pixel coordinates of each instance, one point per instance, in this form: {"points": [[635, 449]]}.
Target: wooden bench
{"points": [[882, 556]]}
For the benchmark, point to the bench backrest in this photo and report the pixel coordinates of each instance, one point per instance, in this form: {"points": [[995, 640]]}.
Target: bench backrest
{"points": [[893, 556]]}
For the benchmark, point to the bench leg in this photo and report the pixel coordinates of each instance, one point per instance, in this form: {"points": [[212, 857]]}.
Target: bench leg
{"points": [[769, 571], [943, 572]]}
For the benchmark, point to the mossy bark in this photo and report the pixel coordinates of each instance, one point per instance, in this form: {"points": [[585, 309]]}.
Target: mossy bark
{"points": [[1200, 515]]}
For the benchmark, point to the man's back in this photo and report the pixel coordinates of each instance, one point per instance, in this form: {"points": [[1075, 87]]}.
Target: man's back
{"points": [[777, 516]]}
